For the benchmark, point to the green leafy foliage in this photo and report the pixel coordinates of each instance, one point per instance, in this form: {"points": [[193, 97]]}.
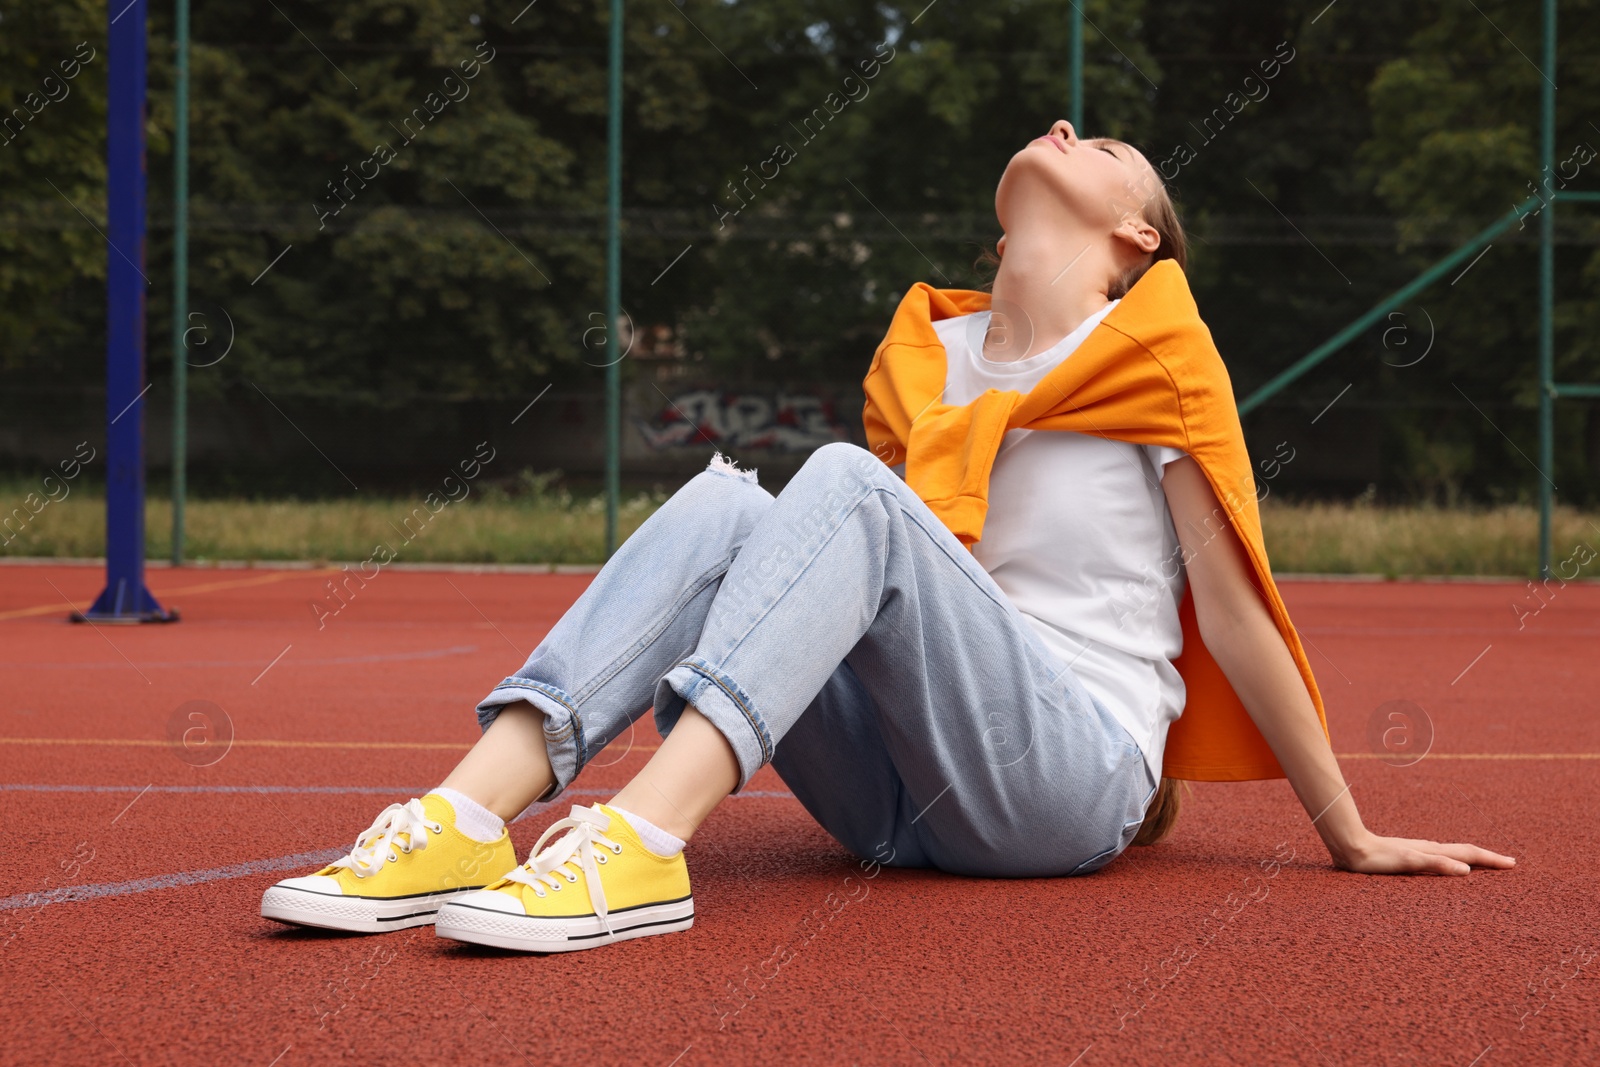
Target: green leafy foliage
{"points": [[1455, 145], [790, 168]]}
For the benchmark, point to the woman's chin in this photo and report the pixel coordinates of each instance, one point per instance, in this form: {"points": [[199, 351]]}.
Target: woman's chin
{"points": [[1040, 152], [1031, 180]]}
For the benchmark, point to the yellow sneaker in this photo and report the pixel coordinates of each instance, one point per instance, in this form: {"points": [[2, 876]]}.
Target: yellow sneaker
{"points": [[595, 886], [403, 867]]}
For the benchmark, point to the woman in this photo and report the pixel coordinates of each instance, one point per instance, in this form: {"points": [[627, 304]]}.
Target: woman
{"points": [[965, 649]]}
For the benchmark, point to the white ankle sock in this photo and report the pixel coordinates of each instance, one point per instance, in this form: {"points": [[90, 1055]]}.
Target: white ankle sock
{"points": [[654, 837], [472, 818]]}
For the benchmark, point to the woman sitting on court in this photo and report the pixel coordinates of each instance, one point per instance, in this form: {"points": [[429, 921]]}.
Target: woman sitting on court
{"points": [[987, 645]]}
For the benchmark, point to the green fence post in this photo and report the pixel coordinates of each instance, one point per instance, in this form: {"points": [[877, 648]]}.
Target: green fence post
{"points": [[1547, 281], [613, 278], [180, 279], [1076, 75]]}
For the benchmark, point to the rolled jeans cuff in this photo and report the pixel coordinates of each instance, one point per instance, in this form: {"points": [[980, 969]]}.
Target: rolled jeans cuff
{"points": [[563, 728], [721, 700]]}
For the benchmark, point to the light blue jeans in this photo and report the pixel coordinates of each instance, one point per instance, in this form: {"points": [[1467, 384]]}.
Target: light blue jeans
{"points": [[842, 633]]}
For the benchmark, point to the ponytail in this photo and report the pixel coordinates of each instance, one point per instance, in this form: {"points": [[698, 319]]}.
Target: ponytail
{"points": [[1162, 814]]}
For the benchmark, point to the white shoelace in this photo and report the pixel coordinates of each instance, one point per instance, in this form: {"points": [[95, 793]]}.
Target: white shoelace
{"points": [[379, 841], [579, 851]]}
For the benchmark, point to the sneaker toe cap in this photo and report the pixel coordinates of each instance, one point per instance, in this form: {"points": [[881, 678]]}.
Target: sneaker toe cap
{"points": [[313, 883], [492, 900]]}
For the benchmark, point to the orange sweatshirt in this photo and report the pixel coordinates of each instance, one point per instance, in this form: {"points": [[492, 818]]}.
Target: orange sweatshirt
{"points": [[1148, 374]]}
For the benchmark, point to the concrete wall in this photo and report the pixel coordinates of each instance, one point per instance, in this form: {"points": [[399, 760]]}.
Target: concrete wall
{"points": [[246, 443], [668, 433]]}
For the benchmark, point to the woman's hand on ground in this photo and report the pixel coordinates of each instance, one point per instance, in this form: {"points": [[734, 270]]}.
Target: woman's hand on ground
{"points": [[1401, 855]]}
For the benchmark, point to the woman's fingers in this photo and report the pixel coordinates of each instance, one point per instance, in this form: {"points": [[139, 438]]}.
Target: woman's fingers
{"points": [[1435, 863], [1466, 853], [1396, 855], [1479, 857]]}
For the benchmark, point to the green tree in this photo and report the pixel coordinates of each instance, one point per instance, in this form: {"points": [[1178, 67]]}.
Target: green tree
{"points": [[52, 262], [382, 238], [1455, 145]]}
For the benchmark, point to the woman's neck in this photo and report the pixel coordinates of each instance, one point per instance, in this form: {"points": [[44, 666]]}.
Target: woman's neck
{"points": [[1043, 290]]}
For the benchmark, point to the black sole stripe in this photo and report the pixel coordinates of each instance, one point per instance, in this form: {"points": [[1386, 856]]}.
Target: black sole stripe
{"points": [[625, 929], [380, 900], [588, 937], [590, 915], [304, 921]]}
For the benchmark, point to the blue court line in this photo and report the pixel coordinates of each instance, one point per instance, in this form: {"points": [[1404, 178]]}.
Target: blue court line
{"points": [[310, 860]]}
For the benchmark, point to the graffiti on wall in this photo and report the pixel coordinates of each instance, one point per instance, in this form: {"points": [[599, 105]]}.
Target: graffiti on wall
{"points": [[788, 422]]}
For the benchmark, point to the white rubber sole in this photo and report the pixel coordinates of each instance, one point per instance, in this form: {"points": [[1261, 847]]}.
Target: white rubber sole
{"points": [[361, 915], [524, 933]]}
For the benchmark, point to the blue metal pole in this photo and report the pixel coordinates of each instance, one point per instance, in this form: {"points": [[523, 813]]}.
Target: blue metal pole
{"points": [[125, 598]]}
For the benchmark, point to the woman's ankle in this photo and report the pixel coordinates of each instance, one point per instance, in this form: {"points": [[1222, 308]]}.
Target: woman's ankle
{"points": [[657, 840], [472, 818], [509, 767], [689, 775]]}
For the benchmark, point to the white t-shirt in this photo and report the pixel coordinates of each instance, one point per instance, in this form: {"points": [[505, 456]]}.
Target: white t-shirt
{"points": [[1079, 537]]}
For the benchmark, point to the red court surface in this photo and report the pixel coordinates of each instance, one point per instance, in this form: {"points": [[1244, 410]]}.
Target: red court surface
{"points": [[129, 930]]}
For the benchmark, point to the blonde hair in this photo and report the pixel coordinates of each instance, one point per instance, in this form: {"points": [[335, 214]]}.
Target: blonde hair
{"points": [[1160, 213], [1162, 814]]}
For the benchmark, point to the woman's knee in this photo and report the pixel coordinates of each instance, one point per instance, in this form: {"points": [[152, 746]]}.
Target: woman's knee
{"points": [[843, 455], [833, 481], [732, 496], [843, 463]]}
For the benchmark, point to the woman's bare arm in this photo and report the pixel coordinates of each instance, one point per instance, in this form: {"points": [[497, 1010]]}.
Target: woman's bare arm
{"points": [[1237, 628]]}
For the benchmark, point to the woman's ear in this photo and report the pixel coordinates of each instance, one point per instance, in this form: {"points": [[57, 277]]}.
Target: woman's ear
{"points": [[1000, 246], [1138, 232]]}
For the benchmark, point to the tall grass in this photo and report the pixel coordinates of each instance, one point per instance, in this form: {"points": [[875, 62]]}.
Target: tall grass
{"points": [[541, 525], [1396, 541]]}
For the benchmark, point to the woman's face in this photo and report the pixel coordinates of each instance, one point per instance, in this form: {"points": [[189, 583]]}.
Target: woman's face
{"points": [[1059, 179]]}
